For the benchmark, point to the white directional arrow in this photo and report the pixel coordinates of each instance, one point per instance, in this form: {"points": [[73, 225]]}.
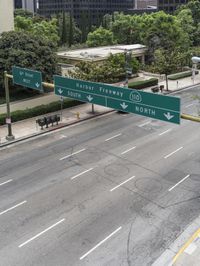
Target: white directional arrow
{"points": [[37, 85], [89, 98], [168, 116], [123, 105], [60, 91]]}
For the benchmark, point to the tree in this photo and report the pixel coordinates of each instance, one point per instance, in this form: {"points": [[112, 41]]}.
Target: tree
{"points": [[70, 41], [126, 28], [24, 50], [163, 31], [167, 62], [110, 71], [63, 39], [23, 13], [44, 29], [192, 8], [100, 37], [68, 31]]}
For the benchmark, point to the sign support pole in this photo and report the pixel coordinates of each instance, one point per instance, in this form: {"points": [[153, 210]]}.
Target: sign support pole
{"points": [[92, 108], [10, 135], [61, 107]]}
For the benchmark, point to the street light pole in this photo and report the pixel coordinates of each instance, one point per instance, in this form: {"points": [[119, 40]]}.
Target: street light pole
{"points": [[8, 118], [127, 54]]}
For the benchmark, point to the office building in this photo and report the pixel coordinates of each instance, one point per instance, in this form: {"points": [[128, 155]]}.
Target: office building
{"points": [[29, 5], [6, 15], [93, 9], [170, 6]]}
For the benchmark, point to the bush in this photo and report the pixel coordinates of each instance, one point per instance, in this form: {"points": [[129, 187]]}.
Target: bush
{"points": [[38, 110], [138, 85], [182, 75]]}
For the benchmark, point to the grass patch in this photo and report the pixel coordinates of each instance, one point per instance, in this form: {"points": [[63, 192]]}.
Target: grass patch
{"points": [[138, 85], [38, 110]]}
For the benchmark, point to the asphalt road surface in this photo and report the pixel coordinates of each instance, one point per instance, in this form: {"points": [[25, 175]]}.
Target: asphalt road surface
{"points": [[115, 190]]}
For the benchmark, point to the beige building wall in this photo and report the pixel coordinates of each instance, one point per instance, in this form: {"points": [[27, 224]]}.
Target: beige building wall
{"points": [[6, 15]]}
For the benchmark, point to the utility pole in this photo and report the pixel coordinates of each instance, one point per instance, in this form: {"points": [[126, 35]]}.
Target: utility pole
{"points": [[8, 117]]}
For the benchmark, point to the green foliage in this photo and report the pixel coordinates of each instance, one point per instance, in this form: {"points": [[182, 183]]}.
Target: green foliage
{"points": [[68, 31], [38, 110], [167, 62], [186, 22], [100, 37], [126, 28], [43, 29], [23, 13], [182, 75], [24, 50], [63, 39], [138, 85], [71, 35], [162, 31], [110, 71]]}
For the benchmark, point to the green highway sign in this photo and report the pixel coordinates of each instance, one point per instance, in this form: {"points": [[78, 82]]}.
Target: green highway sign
{"points": [[162, 107], [27, 78]]}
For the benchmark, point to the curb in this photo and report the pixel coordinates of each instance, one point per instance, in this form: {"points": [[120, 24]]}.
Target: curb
{"points": [[54, 129], [183, 88], [171, 254]]}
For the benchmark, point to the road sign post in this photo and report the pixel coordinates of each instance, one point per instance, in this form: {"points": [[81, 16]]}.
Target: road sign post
{"points": [[162, 107], [27, 78], [8, 117]]}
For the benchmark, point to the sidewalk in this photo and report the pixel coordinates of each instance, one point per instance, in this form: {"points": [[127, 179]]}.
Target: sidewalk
{"points": [[28, 127]]}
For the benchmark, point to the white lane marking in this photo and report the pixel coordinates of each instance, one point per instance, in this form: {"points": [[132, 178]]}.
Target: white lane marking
{"points": [[82, 173], [173, 152], [113, 137], [100, 243], [128, 150], [170, 189], [65, 157], [122, 183], [8, 181], [11, 208], [189, 105], [41, 233], [165, 132], [63, 136], [146, 123]]}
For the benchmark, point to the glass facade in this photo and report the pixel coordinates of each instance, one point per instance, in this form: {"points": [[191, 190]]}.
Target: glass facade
{"points": [[94, 9], [170, 6]]}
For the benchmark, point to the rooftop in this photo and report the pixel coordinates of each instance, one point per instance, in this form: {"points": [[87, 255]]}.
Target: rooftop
{"points": [[99, 53]]}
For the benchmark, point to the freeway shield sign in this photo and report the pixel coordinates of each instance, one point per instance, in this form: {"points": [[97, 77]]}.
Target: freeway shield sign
{"points": [[166, 108], [27, 78]]}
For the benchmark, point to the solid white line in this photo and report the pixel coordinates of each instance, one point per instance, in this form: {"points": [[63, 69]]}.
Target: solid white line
{"points": [[173, 152], [146, 123], [82, 173], [113, 137], [128, 150], [8, 181], [41, 233], [100, 243], [13, 207], [165, 132], [121, 183], [71, 154], [179, 182], [189, 105]]}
